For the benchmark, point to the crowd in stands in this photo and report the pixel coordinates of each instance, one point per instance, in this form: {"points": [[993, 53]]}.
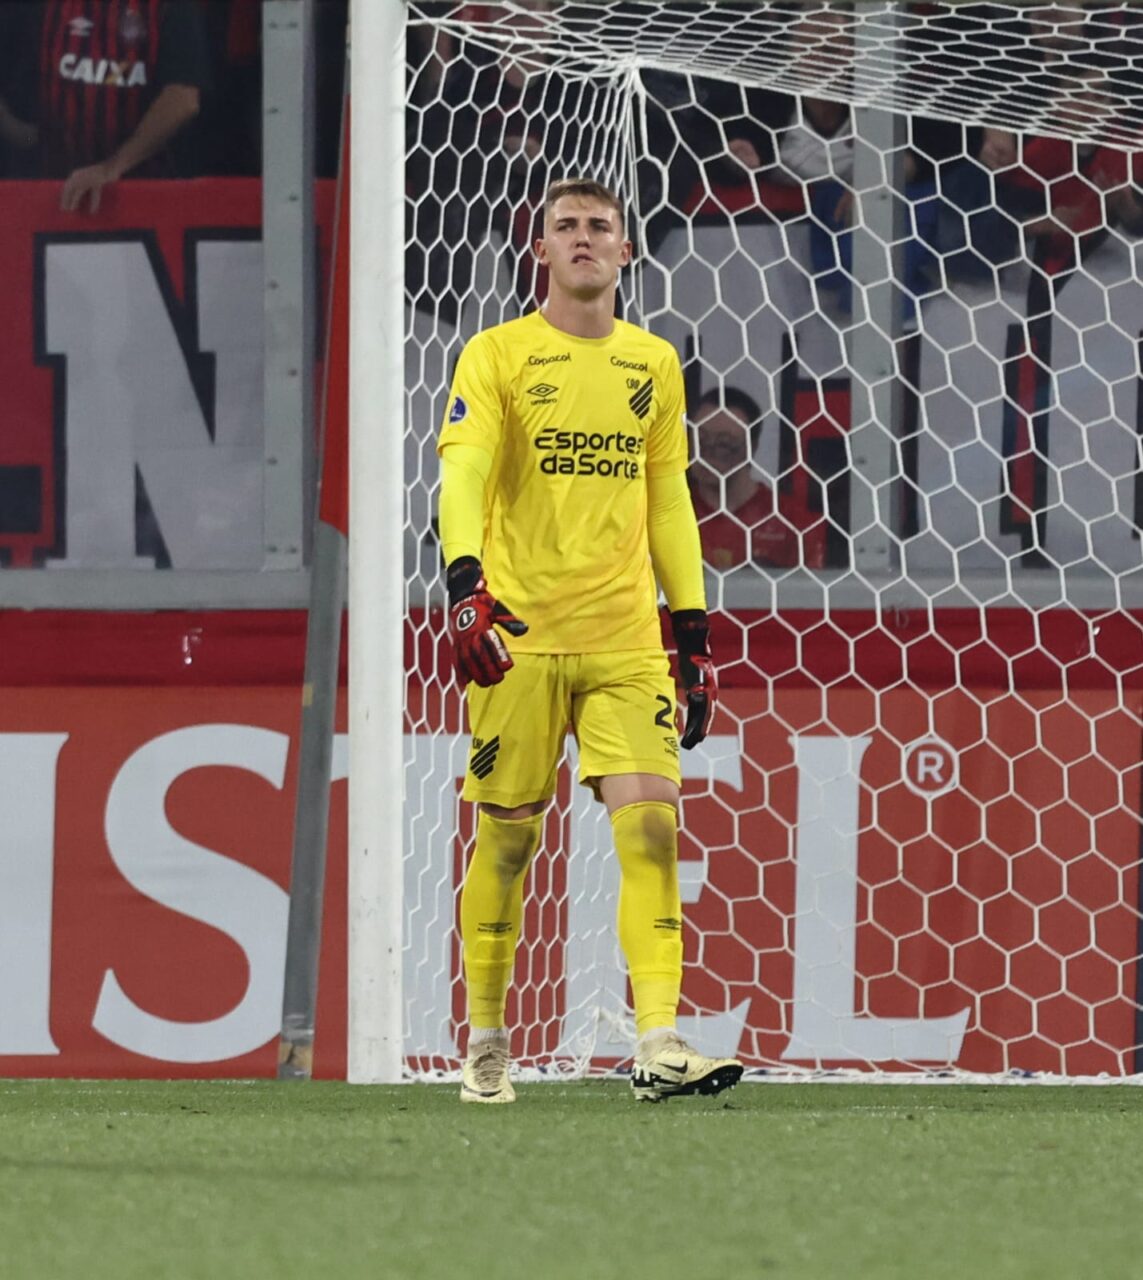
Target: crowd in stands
{"points": [[489, 131], [490, 125], [92, 91]]}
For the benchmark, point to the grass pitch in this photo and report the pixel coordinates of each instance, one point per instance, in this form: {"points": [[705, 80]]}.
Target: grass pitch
{"points": [[209, 1179]]}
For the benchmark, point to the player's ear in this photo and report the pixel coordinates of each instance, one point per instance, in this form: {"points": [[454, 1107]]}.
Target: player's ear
{"points": [[625, 253], [540, 249]]}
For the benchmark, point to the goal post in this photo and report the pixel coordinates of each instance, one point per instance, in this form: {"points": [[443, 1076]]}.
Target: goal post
{"points": [[896, 247], [376, 503]]}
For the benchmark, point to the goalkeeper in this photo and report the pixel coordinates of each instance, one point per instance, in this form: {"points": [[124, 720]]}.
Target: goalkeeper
{"points": [[563, 496]]}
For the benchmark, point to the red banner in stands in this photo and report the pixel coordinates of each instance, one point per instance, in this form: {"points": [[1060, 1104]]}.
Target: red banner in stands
{"points": [[133, 338]]}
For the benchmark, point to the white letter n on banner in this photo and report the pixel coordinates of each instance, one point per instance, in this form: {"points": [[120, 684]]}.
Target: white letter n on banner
{"points": [[826, 1027], [130, 404]]}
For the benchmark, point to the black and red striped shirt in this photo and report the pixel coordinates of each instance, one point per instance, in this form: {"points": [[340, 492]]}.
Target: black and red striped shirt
{"points": [[100, 65]]}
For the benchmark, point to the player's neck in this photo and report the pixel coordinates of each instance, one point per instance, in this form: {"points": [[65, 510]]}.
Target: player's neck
{"points": [[582, 318]]}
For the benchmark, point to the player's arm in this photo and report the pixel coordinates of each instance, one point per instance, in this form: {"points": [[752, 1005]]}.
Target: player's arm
{"points": [[479, 652], [182, 74], [676, 554]]}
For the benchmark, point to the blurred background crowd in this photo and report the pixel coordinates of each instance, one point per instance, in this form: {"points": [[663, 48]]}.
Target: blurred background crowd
{"points": [[59, 113], [95, 91]]}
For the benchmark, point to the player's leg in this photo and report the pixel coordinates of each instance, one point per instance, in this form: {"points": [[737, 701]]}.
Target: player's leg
{"points": [[491, 913], [629, 752], [517, 732], [644, 824]]}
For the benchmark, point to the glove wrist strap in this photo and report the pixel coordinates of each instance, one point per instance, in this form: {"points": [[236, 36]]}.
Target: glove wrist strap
{"points": [[462, 577], [691, 630]]}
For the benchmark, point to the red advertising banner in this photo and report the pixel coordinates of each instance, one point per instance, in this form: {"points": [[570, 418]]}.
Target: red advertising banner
{"points": [[993, 867], [872, 873], [147, 858]]}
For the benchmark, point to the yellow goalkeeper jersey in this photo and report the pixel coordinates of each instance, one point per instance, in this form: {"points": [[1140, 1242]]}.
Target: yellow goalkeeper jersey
{"points": [[574, 427]]}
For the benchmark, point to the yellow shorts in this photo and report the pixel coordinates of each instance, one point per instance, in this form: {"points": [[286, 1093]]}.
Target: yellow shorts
{"points": [[620, 706]]}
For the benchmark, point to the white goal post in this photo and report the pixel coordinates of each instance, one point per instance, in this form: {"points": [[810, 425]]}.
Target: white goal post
{"points": [[376, 500], [898, 248]]}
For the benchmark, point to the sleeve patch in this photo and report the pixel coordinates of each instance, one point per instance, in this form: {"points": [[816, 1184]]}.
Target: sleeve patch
{"points": [[459, 410]]}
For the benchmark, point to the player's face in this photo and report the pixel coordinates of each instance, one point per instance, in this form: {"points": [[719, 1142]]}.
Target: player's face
{"points": [[583, 246], [723, 441]]}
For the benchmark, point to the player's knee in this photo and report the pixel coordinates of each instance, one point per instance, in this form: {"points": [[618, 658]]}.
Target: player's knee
{"points": [[646, 832], [509, 843]]}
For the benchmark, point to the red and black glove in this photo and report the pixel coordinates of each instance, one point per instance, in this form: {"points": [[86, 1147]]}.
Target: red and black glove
{"points": [[478, 652], [696, 671]]}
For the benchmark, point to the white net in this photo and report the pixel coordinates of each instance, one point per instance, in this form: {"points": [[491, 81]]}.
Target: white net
{"points": [[897, 249]]}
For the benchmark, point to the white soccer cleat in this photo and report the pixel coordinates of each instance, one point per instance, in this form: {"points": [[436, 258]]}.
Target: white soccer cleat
{"points": [[670, 1068], [484, 1076]]}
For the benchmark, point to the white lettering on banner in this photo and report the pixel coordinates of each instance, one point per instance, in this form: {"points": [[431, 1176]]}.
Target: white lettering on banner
{"points": [[130, 404], [28, 764], [252, 910], [825, 1024], [204, 885]]}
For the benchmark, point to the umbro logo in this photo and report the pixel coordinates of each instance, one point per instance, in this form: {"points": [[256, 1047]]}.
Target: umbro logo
{"points": [[81, 27], [542, 389], [640, 402], [483, 759], [673, 923]]}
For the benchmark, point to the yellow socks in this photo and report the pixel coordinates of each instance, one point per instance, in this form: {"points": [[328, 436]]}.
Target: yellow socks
{"points": [[492, 909], [650, 912]]}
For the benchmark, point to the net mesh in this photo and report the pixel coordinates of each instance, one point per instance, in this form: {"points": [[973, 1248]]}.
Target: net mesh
{"points": [[896, 248]]}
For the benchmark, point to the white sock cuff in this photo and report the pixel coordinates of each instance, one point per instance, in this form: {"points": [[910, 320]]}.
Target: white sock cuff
{"points": [[651, 1036], [480, 1035]]}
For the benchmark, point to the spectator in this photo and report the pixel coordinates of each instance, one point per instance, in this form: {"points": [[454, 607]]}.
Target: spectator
{"points": [[977, 232], [115, 81], [1050, 188], [816, 152], [737, 515], [511, 123], [717, 141], [1068, 193]]}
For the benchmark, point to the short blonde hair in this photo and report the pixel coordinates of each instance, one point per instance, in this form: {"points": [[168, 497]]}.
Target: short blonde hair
{"points": [[586, 187]]}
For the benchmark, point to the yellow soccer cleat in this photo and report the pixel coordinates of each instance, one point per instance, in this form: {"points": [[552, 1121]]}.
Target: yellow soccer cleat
{"points": [[484, 1076], [670, 1068]]}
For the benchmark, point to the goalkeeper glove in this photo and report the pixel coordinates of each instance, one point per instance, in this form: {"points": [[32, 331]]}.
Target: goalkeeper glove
{"points": [[479, 654], [696, 670]]}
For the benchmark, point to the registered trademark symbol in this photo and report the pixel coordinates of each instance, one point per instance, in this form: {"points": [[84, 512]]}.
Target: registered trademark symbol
{"points": [[931, 767]]}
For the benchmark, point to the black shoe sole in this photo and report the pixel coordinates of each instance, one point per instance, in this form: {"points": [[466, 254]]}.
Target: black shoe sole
{"points": [[708, 1086]]}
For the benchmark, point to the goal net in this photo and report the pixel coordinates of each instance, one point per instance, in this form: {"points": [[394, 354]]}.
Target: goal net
{"points": [[896, 247]]}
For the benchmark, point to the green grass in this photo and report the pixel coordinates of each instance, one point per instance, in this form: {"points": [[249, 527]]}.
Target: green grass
{"points": [[210, 1179]]}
